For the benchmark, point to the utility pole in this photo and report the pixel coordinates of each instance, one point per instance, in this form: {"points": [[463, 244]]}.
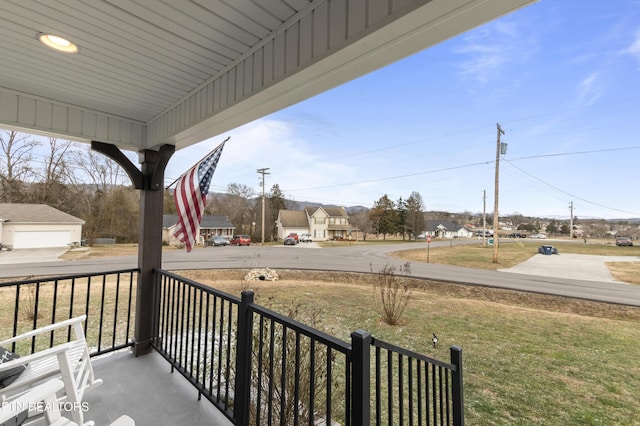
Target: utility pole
{"points": [[263, 172], [499, 149], [484, 218], [571, 221]]}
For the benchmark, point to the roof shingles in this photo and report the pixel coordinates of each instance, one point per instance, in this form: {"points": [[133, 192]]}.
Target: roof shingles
{"points": [[34, 213]]}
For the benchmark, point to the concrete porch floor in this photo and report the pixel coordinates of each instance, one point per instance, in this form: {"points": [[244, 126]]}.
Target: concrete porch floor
{"points": [[145, 389]]}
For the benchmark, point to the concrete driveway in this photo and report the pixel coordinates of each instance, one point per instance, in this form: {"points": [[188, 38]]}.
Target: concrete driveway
{"points": [[573, 266], [31, 255]]}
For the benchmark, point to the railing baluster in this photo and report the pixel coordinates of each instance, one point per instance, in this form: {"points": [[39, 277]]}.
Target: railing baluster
{"points": [[312, 379], [390, 386], [328, 386], [378, 386], [410, 390], [228, 356], [419, 385], [259, 392], [53, 309], [220, 347], [296, 375], [104, 289], [271, 369], [400, 390], [115, 312], [213, 343]]}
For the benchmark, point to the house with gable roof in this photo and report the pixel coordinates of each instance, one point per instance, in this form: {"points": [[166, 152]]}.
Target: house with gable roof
{"points": [[447, 229], [323, 223], [29, 226]]}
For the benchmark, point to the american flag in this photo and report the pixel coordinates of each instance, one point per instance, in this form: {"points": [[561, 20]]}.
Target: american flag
{"points": [[191, 196]]}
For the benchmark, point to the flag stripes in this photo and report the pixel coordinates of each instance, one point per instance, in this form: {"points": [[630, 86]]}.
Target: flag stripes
{"points": [[191, 197]]}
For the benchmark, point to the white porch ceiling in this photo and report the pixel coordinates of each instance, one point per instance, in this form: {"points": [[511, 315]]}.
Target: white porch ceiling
{"points": [[153, 72]]}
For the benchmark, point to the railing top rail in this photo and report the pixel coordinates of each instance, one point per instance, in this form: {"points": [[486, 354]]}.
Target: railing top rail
{"points": [[42, 278], [318, 335], [219, 293], [385, 345]]}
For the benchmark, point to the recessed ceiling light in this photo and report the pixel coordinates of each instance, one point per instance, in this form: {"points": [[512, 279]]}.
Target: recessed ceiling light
{"points": [[58, 43]]}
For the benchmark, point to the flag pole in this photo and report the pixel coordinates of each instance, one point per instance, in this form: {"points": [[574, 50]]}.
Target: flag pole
{"points": [[223, 142]]}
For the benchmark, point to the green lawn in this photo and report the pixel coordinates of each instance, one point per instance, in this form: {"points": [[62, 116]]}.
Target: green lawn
{"points": [[528, 359]]}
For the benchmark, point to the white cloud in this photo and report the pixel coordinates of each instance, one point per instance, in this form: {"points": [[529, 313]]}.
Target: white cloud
{"points": [[590, 89], [489, 50], [634, 49]]}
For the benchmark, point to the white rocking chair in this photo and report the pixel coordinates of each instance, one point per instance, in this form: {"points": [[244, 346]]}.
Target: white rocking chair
{"points": [[70, 361]]}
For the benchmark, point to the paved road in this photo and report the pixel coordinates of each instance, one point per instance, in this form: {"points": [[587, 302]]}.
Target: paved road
{"points": [[364, 259]]}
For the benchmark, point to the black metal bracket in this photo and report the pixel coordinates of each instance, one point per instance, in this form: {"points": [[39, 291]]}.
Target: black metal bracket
{"points": [[154, 181]]}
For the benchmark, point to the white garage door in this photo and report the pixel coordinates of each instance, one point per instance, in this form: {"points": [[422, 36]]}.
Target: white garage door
{"points": [[41, 239]]}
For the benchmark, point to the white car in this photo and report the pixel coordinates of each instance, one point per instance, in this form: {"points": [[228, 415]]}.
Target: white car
{"points": [[538, 236], [305, 238]]}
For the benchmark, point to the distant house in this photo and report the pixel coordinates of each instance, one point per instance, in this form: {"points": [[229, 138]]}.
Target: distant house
{"points": [[323, 223], [27, 226], [209, 226], [447, 229]]}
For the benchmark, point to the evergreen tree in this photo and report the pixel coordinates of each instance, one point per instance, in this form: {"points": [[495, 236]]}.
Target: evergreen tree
{"points": [[415, 223], [383, 216]]}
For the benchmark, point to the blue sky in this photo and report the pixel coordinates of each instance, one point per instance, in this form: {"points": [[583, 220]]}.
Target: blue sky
{"points": [[562, 78]]}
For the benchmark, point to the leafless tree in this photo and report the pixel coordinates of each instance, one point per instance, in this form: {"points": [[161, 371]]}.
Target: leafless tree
{"points": [[15, 164], [237, 204], [54, 178], [360, 219], [98, 170]]}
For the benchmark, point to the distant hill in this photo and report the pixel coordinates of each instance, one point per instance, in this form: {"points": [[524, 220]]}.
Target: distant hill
{"points": [[300, 205]]}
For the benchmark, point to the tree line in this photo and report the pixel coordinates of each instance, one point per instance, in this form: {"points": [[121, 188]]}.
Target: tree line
{"points": [[83, 183], [76, 180]]}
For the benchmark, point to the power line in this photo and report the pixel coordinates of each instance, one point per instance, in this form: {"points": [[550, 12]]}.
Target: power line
{"points": [[560, 154], [569, 194]]}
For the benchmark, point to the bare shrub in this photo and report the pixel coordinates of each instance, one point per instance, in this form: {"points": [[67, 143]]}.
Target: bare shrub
{"points": [[28, 302], [392, 292], [287, 391]]}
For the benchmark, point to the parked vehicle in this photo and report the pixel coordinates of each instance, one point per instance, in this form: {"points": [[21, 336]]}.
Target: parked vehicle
{"points": [[538, 236], [487, 233], [624, 241], [517, 235], [306, 238], [240, 240], [547, 250], [215, 241], [294, 235], [290, 241]]}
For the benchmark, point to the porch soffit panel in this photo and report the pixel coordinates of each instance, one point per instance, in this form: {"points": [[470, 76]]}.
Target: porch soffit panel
{"points": [[325, 45], [152, 72]]}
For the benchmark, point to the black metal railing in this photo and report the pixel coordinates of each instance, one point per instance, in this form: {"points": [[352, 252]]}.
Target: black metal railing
{"points": [[196, 329], [289, 373], [107, 299], [411, 388], [260, 367]]}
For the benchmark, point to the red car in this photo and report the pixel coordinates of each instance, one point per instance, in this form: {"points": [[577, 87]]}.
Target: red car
{"points": [[624, 241], [240, 240]]}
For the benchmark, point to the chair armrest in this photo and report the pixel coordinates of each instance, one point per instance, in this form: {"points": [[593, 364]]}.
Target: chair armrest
{"points": [[24, 360], [45, 329], [29, 399]]}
